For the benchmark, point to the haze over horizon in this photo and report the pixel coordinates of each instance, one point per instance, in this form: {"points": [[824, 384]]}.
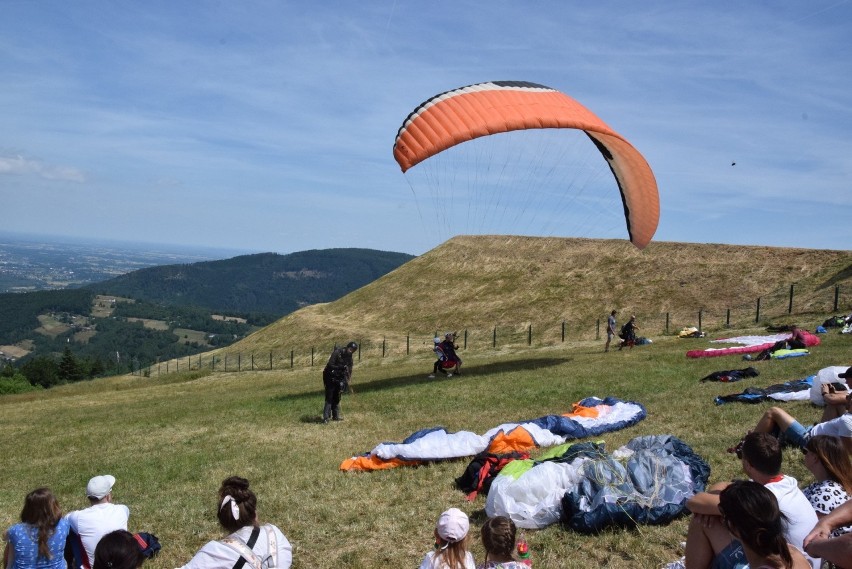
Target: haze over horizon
{"points": [[268, 126]]}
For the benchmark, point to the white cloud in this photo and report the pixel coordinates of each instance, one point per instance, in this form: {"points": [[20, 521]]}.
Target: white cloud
{"points": [[18, 165]]}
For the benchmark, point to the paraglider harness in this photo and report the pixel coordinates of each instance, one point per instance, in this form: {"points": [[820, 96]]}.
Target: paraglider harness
{"points": [[339, 376], [482, 470], [627, 334], [446, 362]]}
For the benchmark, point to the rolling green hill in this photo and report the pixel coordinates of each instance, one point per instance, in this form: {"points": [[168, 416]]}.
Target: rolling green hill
{"points": [[266, 282], [175, 310]]}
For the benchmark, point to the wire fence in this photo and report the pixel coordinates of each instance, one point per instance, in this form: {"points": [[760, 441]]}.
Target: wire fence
{"points": [[786, 303]]}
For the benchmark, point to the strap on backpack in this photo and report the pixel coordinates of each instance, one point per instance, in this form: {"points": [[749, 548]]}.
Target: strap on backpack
{"points": [[247, 553], [244, 549]]}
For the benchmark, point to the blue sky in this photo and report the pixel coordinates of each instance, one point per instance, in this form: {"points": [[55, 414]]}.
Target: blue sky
{"points": [[268, 126]]}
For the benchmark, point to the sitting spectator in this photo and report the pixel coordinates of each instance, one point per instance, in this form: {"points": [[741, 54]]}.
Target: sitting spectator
{"points": [[259, 545], [450, 543], [830, 464], [796, 341], [118, 550], [837, 550], [708, 541], [498, 538], [750, 513], [836, 420], [98, 519], [38, 542]]}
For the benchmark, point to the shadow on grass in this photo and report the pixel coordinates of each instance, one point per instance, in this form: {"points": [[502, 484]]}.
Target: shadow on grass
{"points": [[409, 380]]}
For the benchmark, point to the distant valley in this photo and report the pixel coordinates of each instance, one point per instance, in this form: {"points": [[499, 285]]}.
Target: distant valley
{"points": [[30, 262]]}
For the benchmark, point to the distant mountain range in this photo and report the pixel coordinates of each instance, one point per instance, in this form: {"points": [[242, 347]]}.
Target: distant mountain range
{"points": [[173, 310], [267, 283]]}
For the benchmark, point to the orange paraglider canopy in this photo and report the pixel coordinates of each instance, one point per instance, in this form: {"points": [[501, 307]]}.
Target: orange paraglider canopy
{"points": [[489, 108]]}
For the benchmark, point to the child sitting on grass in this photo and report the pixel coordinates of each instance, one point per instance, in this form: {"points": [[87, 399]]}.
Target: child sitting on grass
{"points": [[450, 543], [498, 537]]}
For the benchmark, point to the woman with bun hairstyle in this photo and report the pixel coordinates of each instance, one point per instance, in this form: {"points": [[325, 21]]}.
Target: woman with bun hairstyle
{"points": [[450, 543], [247, 540], [38, 542]]}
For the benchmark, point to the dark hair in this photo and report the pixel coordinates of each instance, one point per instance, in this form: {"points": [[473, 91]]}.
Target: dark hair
{"points": [[42, 511], [834, 458], [751, 510], [498, 536], [763, 452], [118, 550], [236, 489]]}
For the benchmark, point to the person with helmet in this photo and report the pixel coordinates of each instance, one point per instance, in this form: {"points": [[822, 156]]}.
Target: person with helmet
{"points": [[335, 378]]}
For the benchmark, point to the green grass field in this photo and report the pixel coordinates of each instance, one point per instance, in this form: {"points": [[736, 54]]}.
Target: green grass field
{"points": [[171, 440]]}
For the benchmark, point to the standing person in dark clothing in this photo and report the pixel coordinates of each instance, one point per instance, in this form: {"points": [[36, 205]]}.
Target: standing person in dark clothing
{"points": [[335, 378], [449, 347]]}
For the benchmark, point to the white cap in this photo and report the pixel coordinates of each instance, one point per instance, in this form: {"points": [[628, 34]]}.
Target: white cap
{"points": [[100, 486], [452, 525]]}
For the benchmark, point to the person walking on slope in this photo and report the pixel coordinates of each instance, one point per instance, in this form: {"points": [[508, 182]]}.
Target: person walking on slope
{"points": [[335, 378], [610, 329]]}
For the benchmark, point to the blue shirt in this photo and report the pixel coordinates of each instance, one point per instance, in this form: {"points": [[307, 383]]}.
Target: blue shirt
{"points": [[23, 539]]}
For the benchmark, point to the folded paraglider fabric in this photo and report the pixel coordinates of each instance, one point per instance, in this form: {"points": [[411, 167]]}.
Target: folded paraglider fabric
{"points": [[588, 418], [645, 482], [749, 345]]}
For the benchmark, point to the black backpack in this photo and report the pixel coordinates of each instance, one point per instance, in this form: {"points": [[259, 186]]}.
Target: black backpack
{"points": [[148, 544]]}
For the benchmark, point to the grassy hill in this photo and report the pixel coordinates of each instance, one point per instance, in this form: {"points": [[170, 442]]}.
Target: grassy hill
{"points": [[170, 440], [476, 283]]}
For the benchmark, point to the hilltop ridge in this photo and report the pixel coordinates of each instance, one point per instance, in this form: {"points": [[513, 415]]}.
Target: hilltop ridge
{"points": [[482, 281]]}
